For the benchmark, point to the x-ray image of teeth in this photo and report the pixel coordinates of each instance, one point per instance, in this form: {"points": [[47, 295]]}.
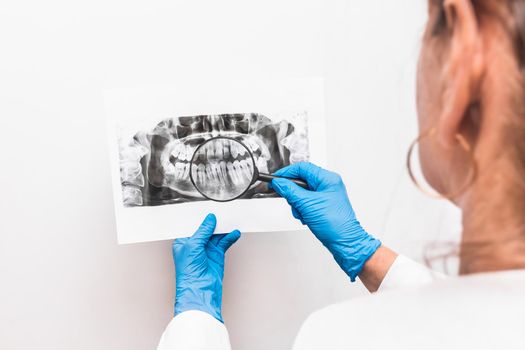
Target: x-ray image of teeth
{"points": [[155, 163]]}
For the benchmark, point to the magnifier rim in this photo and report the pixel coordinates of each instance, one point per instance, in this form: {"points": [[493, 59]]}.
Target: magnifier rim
{"points": [[223, 138]]}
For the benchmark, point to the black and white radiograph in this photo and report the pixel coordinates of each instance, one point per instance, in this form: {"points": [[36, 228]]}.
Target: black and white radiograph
{"points": [[154, 163]]}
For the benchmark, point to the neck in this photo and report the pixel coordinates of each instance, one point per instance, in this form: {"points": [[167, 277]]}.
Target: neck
{"points": [[493, 222]]}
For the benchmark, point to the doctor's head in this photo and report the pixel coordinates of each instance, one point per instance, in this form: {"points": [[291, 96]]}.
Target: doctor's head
{"points": [[471, 88], [471, 111]]}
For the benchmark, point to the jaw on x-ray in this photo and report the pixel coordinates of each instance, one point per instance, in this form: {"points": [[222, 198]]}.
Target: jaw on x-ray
{"points": [[154, 164]]}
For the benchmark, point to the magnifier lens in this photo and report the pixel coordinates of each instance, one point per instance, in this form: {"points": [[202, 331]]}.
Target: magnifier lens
{"points": [[222, 169]]}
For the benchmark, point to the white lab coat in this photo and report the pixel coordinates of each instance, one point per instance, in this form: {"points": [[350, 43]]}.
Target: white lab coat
{"points": [[415, 308]]}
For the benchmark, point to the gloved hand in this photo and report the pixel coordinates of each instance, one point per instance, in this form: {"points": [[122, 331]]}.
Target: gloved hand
{"points": [[199, 268], [326, 210]]}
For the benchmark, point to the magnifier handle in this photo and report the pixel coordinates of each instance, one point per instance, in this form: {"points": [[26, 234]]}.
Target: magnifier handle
{"points": [[269, 178]]}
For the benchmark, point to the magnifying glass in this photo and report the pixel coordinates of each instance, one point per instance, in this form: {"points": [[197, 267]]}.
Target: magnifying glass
{"points": [[223, 169]]}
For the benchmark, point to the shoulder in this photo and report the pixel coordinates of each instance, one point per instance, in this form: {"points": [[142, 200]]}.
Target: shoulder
{"points": [[475, 311]]}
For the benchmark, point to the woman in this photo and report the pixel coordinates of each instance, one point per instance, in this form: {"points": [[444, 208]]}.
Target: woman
{"points": [[471, 107]]}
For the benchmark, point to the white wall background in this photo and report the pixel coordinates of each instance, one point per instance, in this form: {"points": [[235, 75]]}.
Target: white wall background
{"points": [[64, 282]]}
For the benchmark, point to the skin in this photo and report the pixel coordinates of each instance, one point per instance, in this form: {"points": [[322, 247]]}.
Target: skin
{"points": [[468, 81]]}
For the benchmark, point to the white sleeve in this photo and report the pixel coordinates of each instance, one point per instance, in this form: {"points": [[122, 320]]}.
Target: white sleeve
{"points": [[195, 330], [405, 272]]}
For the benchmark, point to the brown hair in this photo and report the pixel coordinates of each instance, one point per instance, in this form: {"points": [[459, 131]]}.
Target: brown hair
{"points": [[511, 14], [516, 28]]}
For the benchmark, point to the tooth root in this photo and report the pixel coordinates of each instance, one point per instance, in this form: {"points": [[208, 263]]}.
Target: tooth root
{"points": [[239, 167], [175, 170], [223, 171], [214, 174], [241, 177], [239, 170], [186, 171], [194, 173], [249, 166], [201, 170], [182, 169], [217, 173], [232, 173], [245, 171], [179, 170], [210, 174]]}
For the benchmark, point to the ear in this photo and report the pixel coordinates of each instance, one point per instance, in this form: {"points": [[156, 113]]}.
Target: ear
{"points": [[463, 69]]}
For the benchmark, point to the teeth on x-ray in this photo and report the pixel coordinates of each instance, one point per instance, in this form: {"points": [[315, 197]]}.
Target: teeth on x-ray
{"points": [[155, 164]]}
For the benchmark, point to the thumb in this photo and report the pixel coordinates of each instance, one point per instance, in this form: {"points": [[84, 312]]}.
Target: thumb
{"points": [[205, 231], [289, 191]]}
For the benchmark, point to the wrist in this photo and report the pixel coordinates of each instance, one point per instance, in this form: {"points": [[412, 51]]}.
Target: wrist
{"points": [[376, 268], [353, 261], [187, 299], [353, 249]]}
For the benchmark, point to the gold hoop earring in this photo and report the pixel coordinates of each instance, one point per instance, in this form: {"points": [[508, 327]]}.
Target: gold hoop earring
{"points": [[471, 175]]}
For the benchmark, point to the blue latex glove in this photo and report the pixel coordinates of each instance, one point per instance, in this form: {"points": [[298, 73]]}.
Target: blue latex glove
{"points": [[326, 210], [199, 268]]}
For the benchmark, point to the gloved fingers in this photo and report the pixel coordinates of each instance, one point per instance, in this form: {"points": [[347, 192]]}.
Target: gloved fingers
{"points": [[297, 215], [205, 230], [227, 240], [215, 239], [289, 191], [305, 171]]}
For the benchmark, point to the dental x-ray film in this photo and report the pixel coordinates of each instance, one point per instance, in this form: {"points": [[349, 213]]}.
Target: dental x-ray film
{"points": [[154, 132], [155, 163]]}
